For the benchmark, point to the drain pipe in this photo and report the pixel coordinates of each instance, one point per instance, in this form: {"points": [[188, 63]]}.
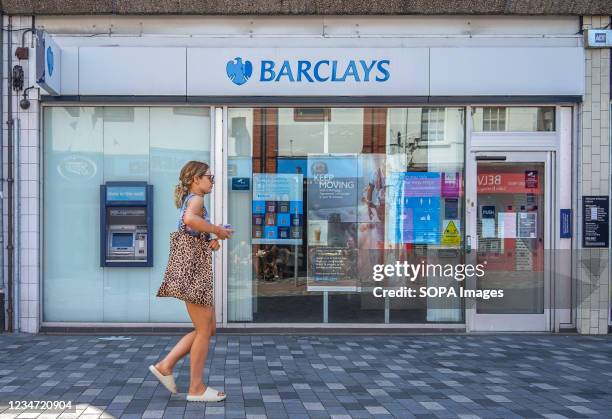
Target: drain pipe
{"points": [[9, 183], [2, 284]]}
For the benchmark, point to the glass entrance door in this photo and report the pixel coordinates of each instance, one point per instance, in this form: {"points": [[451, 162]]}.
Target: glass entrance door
{"points": [[509, 211]]}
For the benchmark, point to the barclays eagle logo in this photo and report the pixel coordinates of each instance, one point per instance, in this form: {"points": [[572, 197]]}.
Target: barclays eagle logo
{"points": [[239, 72], [50, 64]]}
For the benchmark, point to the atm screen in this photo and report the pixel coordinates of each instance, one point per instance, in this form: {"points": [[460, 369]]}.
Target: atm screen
{"points": [[122, 240]]}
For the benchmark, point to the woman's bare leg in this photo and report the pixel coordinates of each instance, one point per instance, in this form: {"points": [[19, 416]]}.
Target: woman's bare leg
{"points": [[182, 348], [213, 323], [201, 317]]}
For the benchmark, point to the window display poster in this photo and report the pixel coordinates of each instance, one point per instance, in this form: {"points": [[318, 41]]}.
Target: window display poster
{"points": [[523, 257], [317, 232], [334, 208], [277, 208], [422, 184], [506, 225], [487, 218], [488, 228], [527, 225], [451, 208], [332, 268], [372, 203], [372, 185], [332, 256], [451, 184], [531, 179], [451, 235], [332, 187], [418, 209]]}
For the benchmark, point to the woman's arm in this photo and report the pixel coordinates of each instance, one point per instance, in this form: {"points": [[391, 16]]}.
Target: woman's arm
{"points": [[194, 220]]}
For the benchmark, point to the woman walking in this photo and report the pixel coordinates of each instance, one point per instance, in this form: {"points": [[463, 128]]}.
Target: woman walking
{"points": [[188, 277]]}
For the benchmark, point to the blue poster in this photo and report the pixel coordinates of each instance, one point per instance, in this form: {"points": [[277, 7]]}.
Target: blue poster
{"points": [[241, 183], [276, 208], [418, 208], [451, 208], [277, 187], [565, 231]]}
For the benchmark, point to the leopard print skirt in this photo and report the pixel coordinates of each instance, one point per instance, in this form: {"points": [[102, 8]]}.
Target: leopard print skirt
{"points": [[189, 274]]}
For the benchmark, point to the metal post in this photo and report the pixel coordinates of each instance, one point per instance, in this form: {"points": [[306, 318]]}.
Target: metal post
{"points": [[325, 306]]}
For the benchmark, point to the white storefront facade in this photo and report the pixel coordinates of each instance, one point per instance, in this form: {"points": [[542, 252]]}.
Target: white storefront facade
{"points": [[484, 114]]}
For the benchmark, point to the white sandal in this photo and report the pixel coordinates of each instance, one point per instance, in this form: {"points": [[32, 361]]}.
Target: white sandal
{"points": [[209, 395], [166, 380]]}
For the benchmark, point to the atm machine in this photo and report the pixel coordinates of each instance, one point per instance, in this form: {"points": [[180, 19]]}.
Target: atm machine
{"points": [[126, 224]]}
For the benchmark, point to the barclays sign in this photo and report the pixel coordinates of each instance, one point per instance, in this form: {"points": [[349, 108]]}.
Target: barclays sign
{"points": [[285, 71], [239, 71], [48, 56]]}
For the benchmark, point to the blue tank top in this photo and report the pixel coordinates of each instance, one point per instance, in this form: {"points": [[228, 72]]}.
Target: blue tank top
{"points": [[188, 230]]}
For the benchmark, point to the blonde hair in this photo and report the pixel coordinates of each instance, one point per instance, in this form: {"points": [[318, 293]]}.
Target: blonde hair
{"points": [[188, 172]]}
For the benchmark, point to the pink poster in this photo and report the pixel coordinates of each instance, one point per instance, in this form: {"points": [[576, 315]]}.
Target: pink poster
{"points": [[451, 184]]}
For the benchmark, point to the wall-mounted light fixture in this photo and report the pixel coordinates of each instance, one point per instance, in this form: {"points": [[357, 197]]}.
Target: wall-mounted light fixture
{"points": [[25, 102]]}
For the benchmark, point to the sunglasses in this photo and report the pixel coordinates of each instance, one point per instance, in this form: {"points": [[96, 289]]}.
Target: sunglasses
{"points": [[212, 178]]}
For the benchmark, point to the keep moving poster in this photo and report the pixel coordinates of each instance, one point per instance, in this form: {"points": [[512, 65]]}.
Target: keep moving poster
{"points": [[332, 222]]}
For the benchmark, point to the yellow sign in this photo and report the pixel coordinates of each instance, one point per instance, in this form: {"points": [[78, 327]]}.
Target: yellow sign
{"points": [[451, 235]]}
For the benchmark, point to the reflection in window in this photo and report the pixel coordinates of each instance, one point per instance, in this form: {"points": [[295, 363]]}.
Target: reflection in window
{"points": [[432, 124], [514, 119], [311, 114], [318, 130], [324, 189], [494, 119]]}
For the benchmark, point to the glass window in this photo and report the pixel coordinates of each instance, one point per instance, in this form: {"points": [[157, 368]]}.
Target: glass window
{"points": [[432, 124], [331, 192], [513, 119], [511, 200], [494, 119], [85, 147]]}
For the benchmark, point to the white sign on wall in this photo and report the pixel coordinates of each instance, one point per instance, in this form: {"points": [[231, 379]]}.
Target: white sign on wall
{"points": [[324, 72], [599, 38], [307, 71], [48, 69]]}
